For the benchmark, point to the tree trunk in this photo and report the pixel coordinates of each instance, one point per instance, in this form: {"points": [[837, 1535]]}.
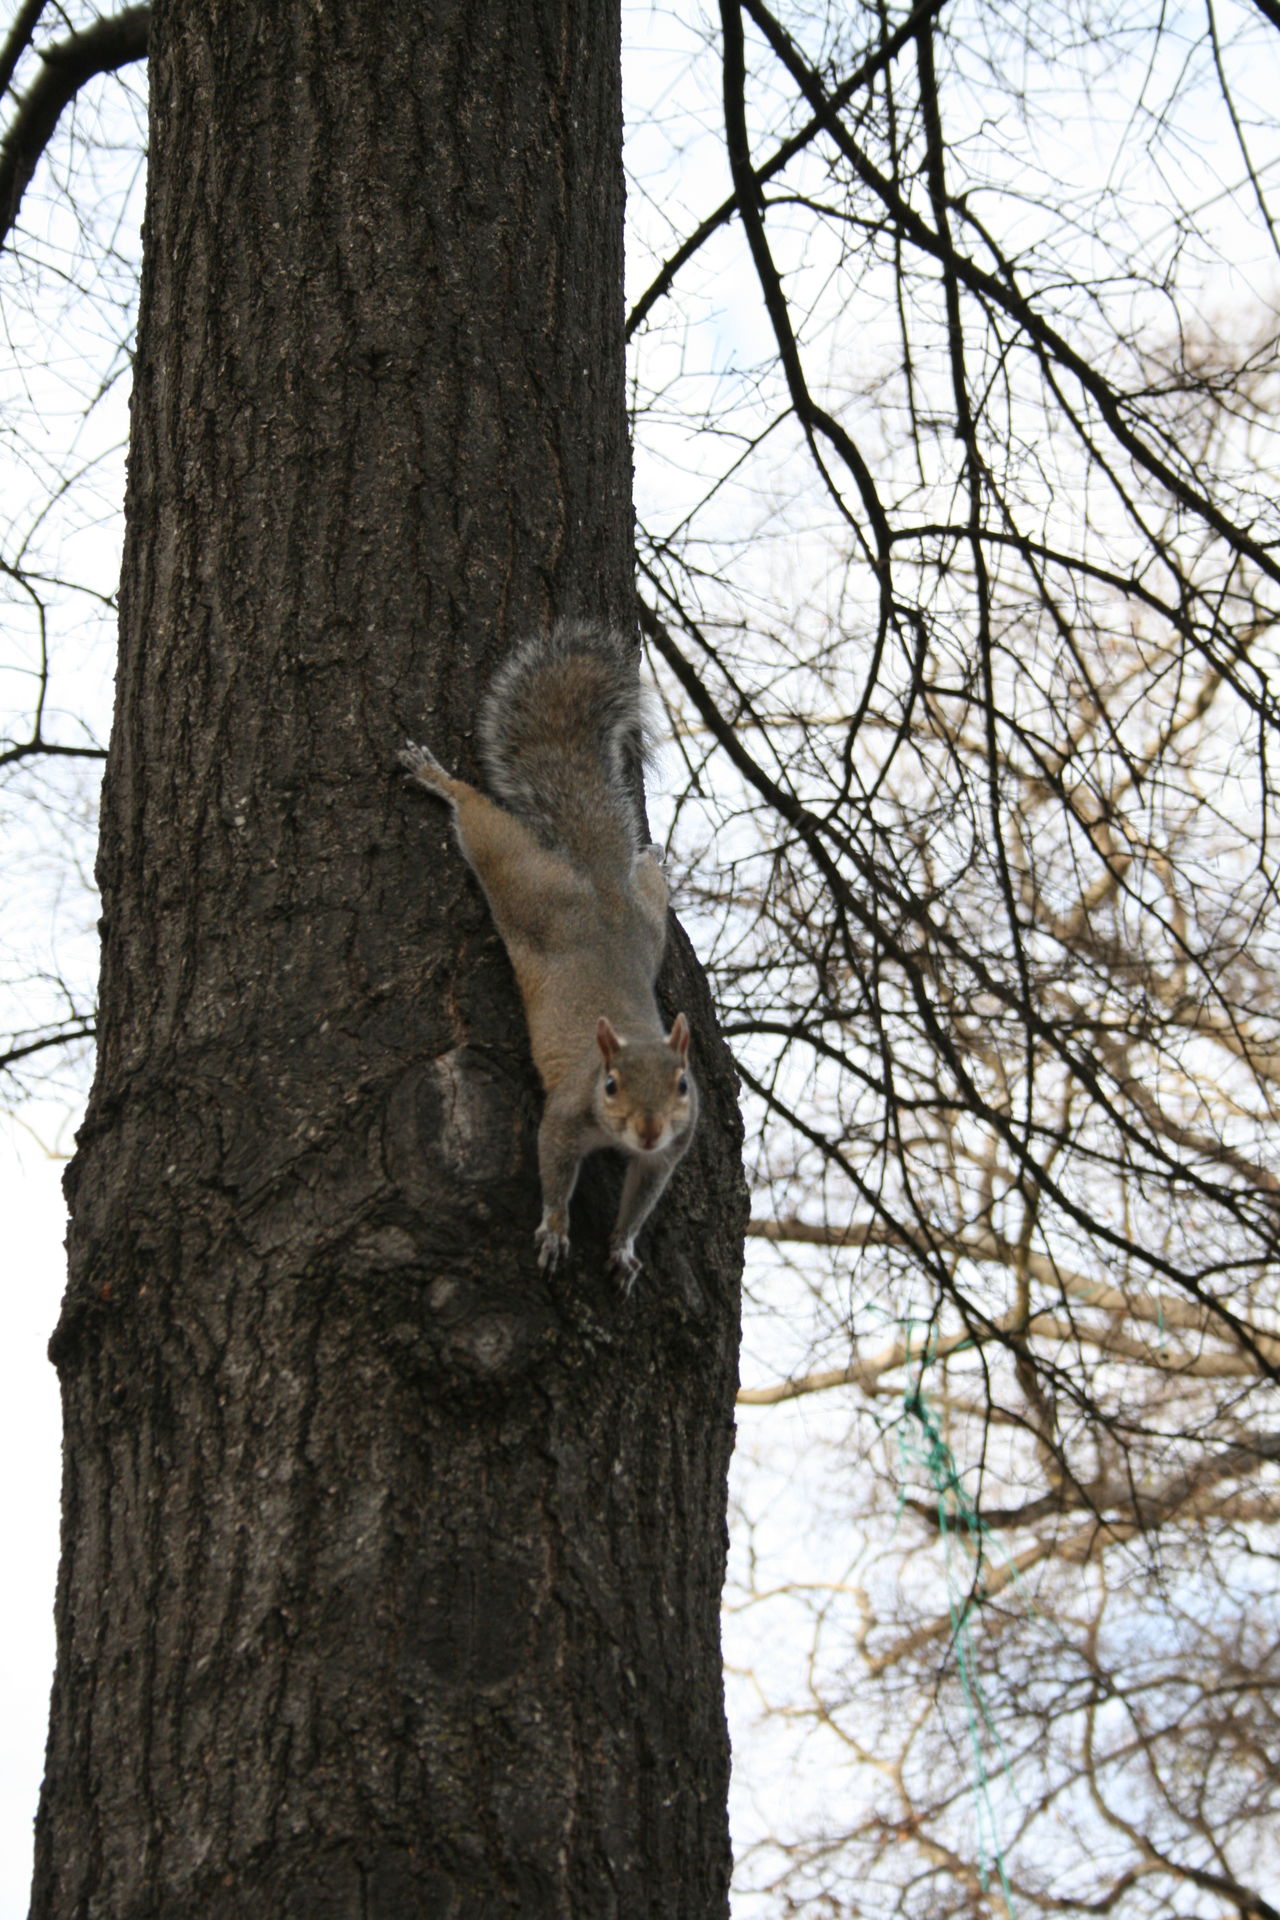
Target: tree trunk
{"points": [[390, 1569]]}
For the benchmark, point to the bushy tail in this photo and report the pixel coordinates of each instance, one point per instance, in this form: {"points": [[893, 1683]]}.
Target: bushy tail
{"points": [[564, 733]]}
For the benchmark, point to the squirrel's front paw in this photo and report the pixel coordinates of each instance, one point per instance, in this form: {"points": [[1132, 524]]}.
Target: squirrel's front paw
{"points": [[552, 1247], [623, 1262]]}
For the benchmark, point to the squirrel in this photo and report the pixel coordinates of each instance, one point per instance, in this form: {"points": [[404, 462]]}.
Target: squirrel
{"points": [[581, 904]]}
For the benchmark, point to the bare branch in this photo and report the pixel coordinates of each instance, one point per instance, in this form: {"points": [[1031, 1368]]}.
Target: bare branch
{"points": [[107, 45], [18, 39]]}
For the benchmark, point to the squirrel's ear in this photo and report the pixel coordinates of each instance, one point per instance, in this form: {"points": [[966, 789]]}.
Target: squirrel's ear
{"points": [[607, 1040], [678, 1038]]}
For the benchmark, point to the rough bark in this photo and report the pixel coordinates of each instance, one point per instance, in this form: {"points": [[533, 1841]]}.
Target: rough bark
{"points": [[390, 1569]]}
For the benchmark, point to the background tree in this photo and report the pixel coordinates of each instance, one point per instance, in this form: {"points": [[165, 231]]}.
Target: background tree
{"points": [[998, 948], [75, 99], [954, 382], [390, 1576]]}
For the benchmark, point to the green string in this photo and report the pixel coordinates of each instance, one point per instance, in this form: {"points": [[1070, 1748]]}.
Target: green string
{"points": [[957, 1518]]}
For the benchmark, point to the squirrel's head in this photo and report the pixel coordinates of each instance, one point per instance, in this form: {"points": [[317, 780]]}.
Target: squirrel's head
{"points": [[645, 1093]]}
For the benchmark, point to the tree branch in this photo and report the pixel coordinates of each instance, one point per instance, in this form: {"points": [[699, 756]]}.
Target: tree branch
{"points": [[31, 749], [19, 39], [1167, 1314], [102, 48], [1004, 292], [79, 1030], [863, 74]]}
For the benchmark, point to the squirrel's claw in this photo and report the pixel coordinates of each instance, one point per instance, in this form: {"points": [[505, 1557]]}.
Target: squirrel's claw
{"points": [[416, 760], [623, 1263], [552, 1248]]}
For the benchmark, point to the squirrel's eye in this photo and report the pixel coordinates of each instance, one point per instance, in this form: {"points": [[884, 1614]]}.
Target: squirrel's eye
{"points": [[682, 1085], [610, 1084]]}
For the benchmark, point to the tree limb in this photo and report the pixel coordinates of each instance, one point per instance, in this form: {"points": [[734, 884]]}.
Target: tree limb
{"points": [[863, 74], [102, 48], [18, 40]]}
